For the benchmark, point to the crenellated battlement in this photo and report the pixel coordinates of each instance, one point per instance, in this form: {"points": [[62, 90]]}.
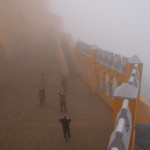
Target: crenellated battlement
{"points": [[115, 79], [109, 59], [113, 61], [84, 48]]}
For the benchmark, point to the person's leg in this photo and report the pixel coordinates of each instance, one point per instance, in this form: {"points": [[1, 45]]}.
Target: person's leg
{"points": [[64, 130], [44, 101], [68, 133]]}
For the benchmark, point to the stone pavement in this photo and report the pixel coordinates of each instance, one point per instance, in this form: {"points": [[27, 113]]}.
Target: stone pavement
{"points": [[25, 125]]}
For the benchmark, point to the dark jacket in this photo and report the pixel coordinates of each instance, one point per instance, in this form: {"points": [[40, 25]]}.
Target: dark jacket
{"points": [[42, 93], [65, 122]]}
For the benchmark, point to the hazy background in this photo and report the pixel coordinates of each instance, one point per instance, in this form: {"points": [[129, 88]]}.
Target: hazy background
{"points": [[115, 25], [29, 33]]}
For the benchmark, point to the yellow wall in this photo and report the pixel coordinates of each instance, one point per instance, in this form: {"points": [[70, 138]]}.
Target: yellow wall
{"points": [[142, 110]]}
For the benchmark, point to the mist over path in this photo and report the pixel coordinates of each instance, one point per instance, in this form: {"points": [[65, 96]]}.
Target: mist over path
{"points": [[25, 125]]}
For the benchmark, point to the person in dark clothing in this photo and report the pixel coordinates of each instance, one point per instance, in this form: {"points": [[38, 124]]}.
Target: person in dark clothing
{"points": [[62, 99], [65, 121], [42, 96], [64, 83]]}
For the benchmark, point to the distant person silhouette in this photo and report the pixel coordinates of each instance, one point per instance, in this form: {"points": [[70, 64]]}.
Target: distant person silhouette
{"points": [[42, 96], [62, 99], [64, 83], [65, 121]]}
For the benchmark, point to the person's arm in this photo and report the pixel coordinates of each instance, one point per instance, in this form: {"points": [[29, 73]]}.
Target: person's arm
{"points": [[69, 119]]}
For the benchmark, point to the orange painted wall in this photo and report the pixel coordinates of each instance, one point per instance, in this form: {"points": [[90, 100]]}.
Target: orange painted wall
{"points": [[143, 111], [142, 107]]}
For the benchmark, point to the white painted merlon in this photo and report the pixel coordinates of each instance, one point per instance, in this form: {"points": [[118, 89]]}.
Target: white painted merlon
{"points": [[121, 125], [125, 114], [126, 91], [134, 71], [137, 71], [125, 104], [135, 60], [136, 66], [114, 148], [131, 80], [94, 47]]}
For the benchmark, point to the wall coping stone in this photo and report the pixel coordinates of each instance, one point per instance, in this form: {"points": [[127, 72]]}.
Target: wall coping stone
{"points": [[126, 91], [135, 60]]}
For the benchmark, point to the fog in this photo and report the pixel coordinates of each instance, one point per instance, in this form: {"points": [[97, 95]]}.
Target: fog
{"points": [[34, 52], [28, 29], [34, 44], [119, 26], [27, 45]]}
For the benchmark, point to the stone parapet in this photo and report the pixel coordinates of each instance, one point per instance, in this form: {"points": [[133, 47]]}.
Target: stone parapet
{"points": [[114, 78], [113, 61]]}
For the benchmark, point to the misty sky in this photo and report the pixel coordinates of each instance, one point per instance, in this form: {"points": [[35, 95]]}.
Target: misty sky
{"points": [[121, 26]]}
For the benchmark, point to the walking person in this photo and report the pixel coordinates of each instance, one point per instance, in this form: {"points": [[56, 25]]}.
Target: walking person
{"points": [[65, 121], [62, 98], [64, 83], [42, 96]]}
